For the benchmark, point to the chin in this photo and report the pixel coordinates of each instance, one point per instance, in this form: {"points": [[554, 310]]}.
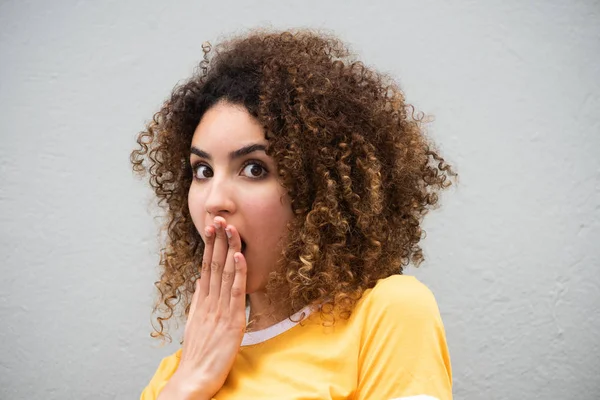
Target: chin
{"points": [[252, 288], [253, 285]]}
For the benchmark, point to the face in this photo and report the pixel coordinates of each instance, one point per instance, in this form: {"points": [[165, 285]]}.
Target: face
{"points": [[235, 179]]}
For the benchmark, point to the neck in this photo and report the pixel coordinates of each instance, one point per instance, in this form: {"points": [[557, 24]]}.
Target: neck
{"points": [[263, 313]]}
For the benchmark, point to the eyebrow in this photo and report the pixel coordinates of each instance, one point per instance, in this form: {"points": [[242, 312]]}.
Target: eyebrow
{"points": [[232, 155]]}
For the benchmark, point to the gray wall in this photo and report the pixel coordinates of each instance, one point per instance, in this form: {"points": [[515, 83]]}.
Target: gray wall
{"points": [[514, 87]]}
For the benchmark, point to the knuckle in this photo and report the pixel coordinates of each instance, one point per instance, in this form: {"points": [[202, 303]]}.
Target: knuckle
{"points": [[236, 292], [205, 266], [215, 266], [228, 276]]}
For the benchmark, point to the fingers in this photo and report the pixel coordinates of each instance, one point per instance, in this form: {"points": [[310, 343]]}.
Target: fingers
{"points": [[237, 303], [194, 302], [217, 262], [229, 272], [223, 279], [209, 234]]}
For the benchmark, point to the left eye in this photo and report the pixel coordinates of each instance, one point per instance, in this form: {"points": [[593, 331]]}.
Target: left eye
{"points": [[254, 170]]}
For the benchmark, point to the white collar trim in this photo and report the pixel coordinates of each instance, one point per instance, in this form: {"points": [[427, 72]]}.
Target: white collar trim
{"points": [[263, 335]]}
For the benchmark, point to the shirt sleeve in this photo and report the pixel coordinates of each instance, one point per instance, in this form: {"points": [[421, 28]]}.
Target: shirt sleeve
{"points": [[403, 353], [165, 370]]}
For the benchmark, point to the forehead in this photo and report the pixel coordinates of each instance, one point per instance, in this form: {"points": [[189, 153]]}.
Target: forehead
{"points": [[227, 126]]}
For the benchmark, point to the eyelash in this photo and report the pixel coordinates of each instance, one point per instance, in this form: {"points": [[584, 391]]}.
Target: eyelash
{"points": [[246, 163]]}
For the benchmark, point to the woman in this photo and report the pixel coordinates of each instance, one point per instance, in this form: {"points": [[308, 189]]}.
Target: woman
{"points": [[296, 181]]}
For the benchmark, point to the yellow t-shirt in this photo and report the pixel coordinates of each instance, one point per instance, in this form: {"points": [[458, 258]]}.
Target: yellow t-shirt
{"points": [[392, 347]]}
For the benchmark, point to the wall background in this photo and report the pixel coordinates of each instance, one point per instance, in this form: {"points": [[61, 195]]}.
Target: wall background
{"points": [[512, 255]]}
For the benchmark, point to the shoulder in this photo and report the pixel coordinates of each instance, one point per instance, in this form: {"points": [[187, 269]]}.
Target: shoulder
{"points": [[169, 364], [403, 351], [401, 286], [403, 295], [165, 370]]}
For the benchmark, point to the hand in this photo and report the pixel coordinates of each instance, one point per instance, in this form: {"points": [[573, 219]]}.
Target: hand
{"points": [[217, 318]]}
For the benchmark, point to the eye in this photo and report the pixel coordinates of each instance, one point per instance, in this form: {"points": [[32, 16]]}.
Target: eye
{"points": [[251, 169], [254, 170], [202, 171]]}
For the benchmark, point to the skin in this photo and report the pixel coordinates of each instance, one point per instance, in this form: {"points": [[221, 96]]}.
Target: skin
{"points": [[231, 199], [244, 191]]}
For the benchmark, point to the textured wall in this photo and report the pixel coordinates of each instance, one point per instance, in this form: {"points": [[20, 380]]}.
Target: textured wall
{"points": [[514, 87]]}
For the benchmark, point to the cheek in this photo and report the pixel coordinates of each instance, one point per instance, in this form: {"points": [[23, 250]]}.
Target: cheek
{"points": [[196, 208], [268, 218]]}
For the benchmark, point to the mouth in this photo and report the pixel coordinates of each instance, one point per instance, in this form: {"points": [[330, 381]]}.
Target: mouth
{"points": [[243, 247]]}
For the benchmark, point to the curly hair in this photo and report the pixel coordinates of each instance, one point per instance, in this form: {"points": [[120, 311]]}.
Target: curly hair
{"points": [[351, 153]]}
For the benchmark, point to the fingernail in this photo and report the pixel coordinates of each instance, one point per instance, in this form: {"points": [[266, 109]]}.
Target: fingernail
{"points": [[236, 258], [207, 232], [228, 232], [217, 224]]}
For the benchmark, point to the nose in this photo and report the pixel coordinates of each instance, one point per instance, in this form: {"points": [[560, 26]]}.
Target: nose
{"points": [[219, 198]]}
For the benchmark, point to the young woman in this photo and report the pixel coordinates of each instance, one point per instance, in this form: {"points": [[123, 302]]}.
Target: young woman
{"points": [[296, 180]]}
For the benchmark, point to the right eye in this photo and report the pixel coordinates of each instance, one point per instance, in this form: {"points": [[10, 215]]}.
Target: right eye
{"points": [[202, 171]]}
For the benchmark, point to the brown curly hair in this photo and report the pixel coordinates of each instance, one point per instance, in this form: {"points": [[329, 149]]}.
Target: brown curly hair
{"points": [[350, 151]]}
